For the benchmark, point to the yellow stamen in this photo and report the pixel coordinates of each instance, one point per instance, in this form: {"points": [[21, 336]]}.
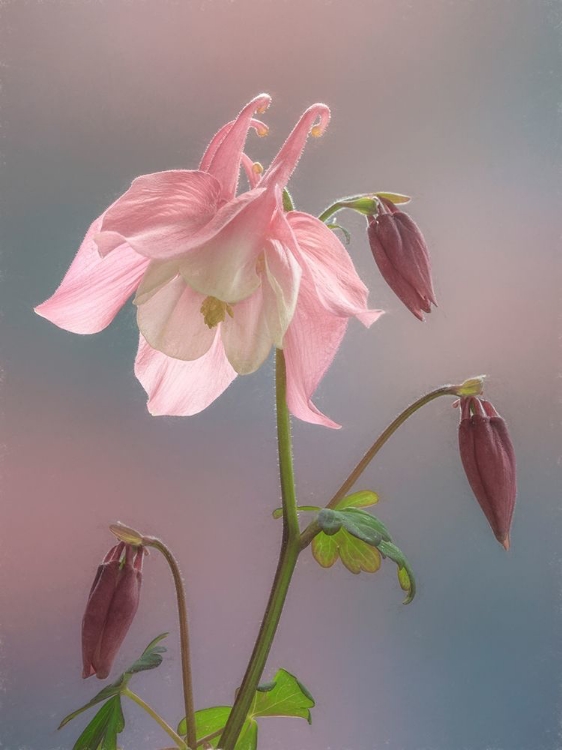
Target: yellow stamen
{"points": [[316, 131], [257, 167], [214, 311]]}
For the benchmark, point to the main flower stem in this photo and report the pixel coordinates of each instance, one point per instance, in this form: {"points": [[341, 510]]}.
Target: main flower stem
{"points": [[314, 528], [290, 547], [184, 638], [157, 718]]}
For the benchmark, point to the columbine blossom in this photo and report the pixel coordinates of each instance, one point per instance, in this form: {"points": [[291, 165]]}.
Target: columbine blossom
{"points": [[219, 278]]}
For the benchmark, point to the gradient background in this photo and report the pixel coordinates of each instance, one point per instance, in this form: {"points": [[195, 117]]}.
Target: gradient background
{"points": [[454, 102]]}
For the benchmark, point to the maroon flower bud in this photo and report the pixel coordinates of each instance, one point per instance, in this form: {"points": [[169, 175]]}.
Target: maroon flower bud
{"points": [[112, 604], [488, 459], [401, 254]]}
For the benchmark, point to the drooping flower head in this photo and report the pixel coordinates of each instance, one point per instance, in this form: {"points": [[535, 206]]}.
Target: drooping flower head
{"points": [[111, 607], [488, 459], [219, 278], [401, 254]]}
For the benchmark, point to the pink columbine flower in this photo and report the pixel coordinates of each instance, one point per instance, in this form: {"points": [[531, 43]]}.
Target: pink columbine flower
{"points": [[488, 459], [111, 607], [402, 256], [219, 278]]}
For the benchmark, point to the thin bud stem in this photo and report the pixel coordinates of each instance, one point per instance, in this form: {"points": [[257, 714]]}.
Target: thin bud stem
{"points": [[157, 718], [314, 528], [184, 638]]}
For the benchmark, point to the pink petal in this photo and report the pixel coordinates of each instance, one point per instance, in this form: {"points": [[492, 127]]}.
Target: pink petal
{"points": [[225, 164], [246, 337], [310, 345], [225, 266], [171, 321], [181, 389], [94, 289], [281, 288], [337, 283], [284, 164], [157, 275], [160, 213], [260, 128]]}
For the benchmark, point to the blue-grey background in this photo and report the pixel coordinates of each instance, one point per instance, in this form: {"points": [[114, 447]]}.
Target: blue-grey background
{"points": [[453, 102]]}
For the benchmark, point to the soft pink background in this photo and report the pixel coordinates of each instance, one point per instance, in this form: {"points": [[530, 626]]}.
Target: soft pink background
{"points": [[455, 103]]}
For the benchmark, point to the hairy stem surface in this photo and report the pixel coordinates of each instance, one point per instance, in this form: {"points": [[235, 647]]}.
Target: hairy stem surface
{"points": [[290, 547]]}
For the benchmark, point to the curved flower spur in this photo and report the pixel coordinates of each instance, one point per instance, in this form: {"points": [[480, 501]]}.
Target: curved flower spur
{"points": [[219, 278]]}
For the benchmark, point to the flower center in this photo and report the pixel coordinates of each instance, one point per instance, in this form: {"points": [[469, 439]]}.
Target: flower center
{"points": [[214, 311]]}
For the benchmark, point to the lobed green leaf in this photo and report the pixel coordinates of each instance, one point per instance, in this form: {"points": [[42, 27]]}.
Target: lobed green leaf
{"points": [[357, 555], [325, 549], [278, 512], [283, 696], [149, 659], [288, 698], [362, 499], [101, 733]]}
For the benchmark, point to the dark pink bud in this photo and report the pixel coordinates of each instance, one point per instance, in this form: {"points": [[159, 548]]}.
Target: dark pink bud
{"points": [[401, 254], [488, 459], [111, 607]]}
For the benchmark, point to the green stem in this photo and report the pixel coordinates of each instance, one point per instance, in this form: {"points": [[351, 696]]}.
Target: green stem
{"points": [[290, 547], [157, 718], [184, 638], [330, 211], [314, 528], [339, 205]]}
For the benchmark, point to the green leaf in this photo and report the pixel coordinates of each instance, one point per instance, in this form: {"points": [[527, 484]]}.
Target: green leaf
{"points": [[325, 549], [213, 720], [362, 499], [405, 574], [278, 512], [362, 522], [248, 739], [357, 522], [397, 198], [288, 698], [101, 733], [283, 696], [265, 687], [359, 539], [108, 692], [207, 721], [357, 555], [334, 226], [330, 521], [150, 657]]}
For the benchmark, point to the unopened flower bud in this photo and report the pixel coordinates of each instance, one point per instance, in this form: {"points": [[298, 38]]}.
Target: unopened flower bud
{"points": [[401, 254], [111, 607], [488, 459]]}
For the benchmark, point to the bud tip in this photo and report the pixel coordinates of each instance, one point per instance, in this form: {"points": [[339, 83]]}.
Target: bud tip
{"points": [[470, 387], [126, 534]]}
